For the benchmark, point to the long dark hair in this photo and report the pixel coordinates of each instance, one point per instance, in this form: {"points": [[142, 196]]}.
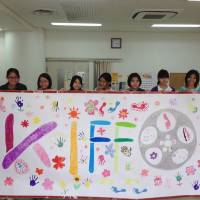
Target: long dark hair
{"points": [[134, 75], [74, 78], [190, 73], [47, 76]]}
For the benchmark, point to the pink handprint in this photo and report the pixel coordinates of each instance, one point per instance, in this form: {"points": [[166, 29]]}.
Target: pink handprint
{"points": [[101, 160]]}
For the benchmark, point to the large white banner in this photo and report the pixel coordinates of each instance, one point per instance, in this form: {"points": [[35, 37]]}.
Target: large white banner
{"points": [[99, 145]]}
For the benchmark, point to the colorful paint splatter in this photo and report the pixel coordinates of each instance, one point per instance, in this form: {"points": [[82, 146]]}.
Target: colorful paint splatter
{"points": [[99, 145]]}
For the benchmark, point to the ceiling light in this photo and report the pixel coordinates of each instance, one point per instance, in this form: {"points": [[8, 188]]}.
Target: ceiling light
{"points": [[176, 26], [1, 29], [75, 24], [193, 0]]}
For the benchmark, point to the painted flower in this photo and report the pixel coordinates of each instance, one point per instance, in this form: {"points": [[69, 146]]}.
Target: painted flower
{"points": [[157, 103], [25, 123], [158, 181], [74, 114], [123, 113], [42, 107], [106, 173], [101, 131], [36, 120], [8, 181], [39, 171], [144, 172], [190, 170], [179, 178], [91, 107], [48, 184], [21, 167], [59, 162], [29, 114], [153, 155]]}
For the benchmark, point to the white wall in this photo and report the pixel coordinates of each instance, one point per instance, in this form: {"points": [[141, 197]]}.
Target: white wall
{"points": [[2, 57], [24, 51], [142, 52]]}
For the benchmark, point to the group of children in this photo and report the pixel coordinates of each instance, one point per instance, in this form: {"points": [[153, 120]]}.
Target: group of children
{"points": [[105, 82]]}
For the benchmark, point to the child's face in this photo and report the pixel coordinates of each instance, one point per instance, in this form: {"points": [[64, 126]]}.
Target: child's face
{"points": [[103, 84], [44, 83], [77, 85], [13, 79], [135, 83], [191, 80], [164, 81]]}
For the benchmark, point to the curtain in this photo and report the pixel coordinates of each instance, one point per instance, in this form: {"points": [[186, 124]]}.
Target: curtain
{"points": [[101, 67]]}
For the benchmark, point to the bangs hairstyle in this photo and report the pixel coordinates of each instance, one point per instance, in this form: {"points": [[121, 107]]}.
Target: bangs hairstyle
{"points": [[12, 70], [46, 76], [74, 78], [107, 77], [189, 74], [162, 74], [134, 75]]}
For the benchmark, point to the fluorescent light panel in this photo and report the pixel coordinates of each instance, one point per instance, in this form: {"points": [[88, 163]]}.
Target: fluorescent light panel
{"points": [[193, 0], [75, 24], [176, 25]]}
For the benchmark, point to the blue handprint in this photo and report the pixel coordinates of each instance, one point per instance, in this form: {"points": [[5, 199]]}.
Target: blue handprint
{"points": [[113, 109], [196, 185], [33, 180], [138, 191], [110, 150], [60, 142], [117, 190], [19, 102]]}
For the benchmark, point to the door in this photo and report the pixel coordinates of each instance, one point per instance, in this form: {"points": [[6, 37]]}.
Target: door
{"points": [[62, 72], [177, 80]]}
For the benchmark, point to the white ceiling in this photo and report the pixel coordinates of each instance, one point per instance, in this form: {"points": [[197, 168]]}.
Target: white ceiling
{"points": [[115, 15]]}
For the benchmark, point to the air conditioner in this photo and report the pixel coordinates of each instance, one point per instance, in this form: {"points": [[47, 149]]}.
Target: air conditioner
{"points": [[154, 14]]}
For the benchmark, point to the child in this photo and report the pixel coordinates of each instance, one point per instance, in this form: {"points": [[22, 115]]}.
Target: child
{"points": [[134, 82], [44, 82], [191, 82], [13, 83], [163, 82], [104, 82], [76, 83]]}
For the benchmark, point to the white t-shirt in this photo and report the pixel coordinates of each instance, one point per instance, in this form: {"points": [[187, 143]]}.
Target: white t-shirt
{"points": [[168, 89]]}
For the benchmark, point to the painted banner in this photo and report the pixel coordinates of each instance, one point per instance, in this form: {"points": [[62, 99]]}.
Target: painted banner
{"points": [[99, 145]]}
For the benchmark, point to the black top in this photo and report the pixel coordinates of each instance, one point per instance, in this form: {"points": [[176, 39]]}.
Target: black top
{"points": [[138, 90], [19, 86], [155, 89]]}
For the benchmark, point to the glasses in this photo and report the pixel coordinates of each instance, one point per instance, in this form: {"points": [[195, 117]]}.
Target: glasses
{"points": [[13, 77]]}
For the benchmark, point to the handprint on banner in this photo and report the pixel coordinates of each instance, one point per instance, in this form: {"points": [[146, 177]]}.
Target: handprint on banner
{"points": [[14, 152]]}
